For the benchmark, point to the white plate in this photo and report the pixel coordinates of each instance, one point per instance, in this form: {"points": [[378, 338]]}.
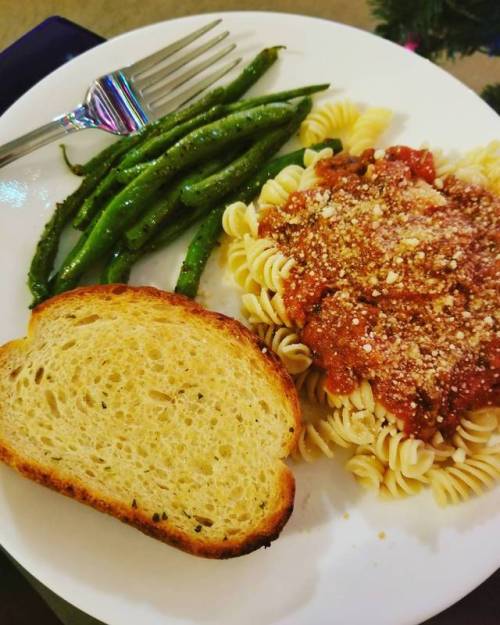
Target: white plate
{"points": [[325, 568]]}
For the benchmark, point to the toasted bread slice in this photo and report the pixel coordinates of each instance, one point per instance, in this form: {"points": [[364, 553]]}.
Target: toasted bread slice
{"points": [[144, 405]]}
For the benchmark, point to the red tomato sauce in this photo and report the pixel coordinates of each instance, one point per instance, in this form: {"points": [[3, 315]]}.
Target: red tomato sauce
{"points": [[396, 281]]}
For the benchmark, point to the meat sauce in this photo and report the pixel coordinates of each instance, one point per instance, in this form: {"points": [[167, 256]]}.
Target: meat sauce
{"points": [[396, 281]]}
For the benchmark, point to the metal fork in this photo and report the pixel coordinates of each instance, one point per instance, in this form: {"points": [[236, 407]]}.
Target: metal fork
{"points": [[125, 100]]}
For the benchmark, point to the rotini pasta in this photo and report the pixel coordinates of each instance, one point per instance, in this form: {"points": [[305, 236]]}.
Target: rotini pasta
{"points": [[238, 267], [474, 431], [331, 119], [442, 450], [267, 265], [265, 308], [276, 191], [240, 219], [479, 166], [312, 444], [349, 427], [395, 485], [340, 428], [456, 483], [361, 398], [367, 129], [309, 179], [311, 157], [366, 468], [311, 383], [409, 456], [285, 342], [385, 459]]}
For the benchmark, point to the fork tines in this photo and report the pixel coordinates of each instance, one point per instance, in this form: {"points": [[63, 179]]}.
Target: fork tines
{"points": [[147, 76]]}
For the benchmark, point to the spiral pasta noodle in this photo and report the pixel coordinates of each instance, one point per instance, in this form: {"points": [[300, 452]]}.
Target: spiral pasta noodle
{"points": [[409, 456], [361, 398], [311, 157], [351, 427], [286, 343], [395, 485], [442, 450], [341, 428], [367, 469], [367, 129], [479, 166], [276, 191], [309, 178], [474, 431], [267, 265], [456, 483], [311, 383], [384, 458], [265, 308], [240, 219], [330, 119], [312, 444], [238, 268]]}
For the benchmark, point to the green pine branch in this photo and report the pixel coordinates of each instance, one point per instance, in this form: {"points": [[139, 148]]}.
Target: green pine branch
{"points": [[491, 94], [441, 27]]}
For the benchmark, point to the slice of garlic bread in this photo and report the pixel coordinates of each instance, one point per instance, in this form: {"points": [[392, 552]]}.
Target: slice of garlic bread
{"points": [[144, 405]]}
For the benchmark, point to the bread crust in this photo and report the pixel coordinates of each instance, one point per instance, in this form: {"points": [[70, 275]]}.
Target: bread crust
{"points": [[263, 535]]}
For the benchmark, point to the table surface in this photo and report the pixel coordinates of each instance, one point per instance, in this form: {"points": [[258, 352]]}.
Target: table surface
{"points": [[113, 17], [20, 604]]}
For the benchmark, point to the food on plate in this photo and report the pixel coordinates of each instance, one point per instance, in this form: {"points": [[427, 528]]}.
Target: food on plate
{"points": [[376, 282], [358, 130], [370, 273], [144, 405], [210, 229], [132, 191]]}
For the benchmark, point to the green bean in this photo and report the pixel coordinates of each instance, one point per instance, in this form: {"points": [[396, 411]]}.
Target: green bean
{"points": [[126, 172], [75, 169], [112, 151], [199, 250], [117, 269], [278, 96], [155, 146], [92, 204], [225, 94], [125, 176], [205, 193], [43, 259], [158, 213], [130, 203], [42, 262], [158, 144], [121, 262], [209, 231], [251, 73], [233, 175], [122, 259]]}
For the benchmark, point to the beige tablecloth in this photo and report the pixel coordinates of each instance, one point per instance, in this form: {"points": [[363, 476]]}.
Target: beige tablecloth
{"points": [[112, 17]]}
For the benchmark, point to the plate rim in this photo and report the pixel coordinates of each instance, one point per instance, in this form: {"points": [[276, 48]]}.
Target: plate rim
{"points": [[424, 614]]}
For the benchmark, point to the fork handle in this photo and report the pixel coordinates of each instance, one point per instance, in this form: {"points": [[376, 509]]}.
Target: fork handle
{"points": [[57, 128]]}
